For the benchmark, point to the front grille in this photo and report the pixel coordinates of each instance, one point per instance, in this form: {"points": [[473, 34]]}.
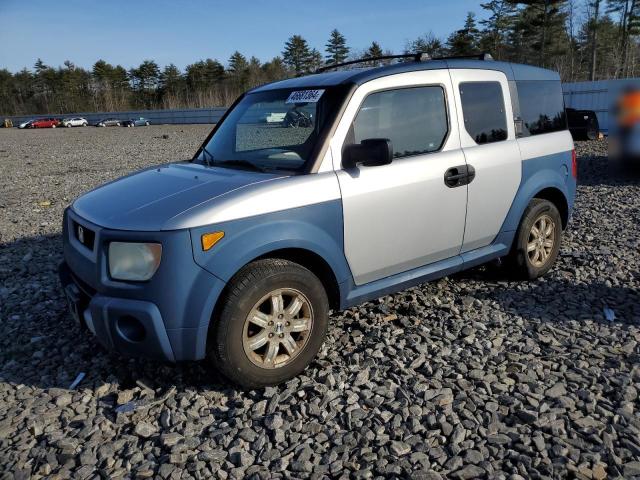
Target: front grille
{"points": [[84, 235]]}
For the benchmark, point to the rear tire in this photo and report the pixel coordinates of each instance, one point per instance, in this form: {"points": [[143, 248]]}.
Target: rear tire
{"points": [[537, 241], [271, 323]]}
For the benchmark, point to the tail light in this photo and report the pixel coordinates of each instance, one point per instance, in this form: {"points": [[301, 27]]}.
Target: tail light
{"points": [[574, 164]]}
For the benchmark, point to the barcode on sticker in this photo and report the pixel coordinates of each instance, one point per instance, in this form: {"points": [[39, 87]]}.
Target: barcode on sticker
{"points": [[305, 96]]}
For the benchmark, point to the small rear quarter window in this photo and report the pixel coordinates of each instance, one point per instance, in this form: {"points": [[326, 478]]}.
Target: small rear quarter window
{"points": [[541, 106], [483, 111]]}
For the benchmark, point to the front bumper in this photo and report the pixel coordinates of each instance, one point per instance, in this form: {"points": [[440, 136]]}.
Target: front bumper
{"points": [[166, 318], [131, 327]]}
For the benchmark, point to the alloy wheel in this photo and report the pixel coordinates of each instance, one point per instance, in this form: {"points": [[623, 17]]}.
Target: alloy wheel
{"points": [[277, 328], [541, 240]]}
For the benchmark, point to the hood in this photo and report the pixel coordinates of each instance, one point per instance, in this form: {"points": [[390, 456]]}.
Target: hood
{"points": [[146, 200]]}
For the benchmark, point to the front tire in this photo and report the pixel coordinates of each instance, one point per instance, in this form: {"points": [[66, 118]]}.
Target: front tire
{"points": [[537, 240], [271, 324]]}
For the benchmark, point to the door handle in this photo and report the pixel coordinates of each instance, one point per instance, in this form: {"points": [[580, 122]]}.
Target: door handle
{"points": [[454, 176], [459, 176]]}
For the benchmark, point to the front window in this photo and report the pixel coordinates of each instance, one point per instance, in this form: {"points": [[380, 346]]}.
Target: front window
{"points": [[414, 119], [273, 130]]}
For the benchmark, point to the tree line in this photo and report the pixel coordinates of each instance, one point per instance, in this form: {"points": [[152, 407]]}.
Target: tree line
{"points": [[581, 39]]}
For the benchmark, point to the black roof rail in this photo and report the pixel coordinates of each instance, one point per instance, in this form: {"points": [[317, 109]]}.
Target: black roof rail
{"points": [[417, 57], [476, 56]]}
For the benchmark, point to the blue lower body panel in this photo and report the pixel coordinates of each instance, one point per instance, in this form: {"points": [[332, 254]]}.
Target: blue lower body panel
{"points": [[166, 317], [130, 327], [133, 327]]}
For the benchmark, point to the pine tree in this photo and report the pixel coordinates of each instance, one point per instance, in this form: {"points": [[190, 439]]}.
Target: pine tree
{"points": [[336, 48], [274, 70], [39, 66], [315, 60], [145, 81], [541, 25], [239, 70], [428, 43], [296, 55], [466, 40], [254, 72], [495, 35], [171, 80], [238, 63]]}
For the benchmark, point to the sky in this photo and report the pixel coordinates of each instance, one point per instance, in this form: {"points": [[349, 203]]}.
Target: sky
{"points": [[126, 32]]}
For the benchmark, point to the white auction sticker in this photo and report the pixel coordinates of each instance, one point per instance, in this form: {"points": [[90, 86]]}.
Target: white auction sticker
{"points": [[305, 96]]}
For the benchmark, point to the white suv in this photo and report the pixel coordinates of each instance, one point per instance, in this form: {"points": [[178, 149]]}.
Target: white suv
{"points": [[75, 122]]}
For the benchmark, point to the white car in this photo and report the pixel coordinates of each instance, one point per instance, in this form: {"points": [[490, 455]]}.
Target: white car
{"points": [[25, 124], [75, 122]]}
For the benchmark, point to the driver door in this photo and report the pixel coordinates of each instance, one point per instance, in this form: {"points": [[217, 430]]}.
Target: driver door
{"points": [[403, 215]]}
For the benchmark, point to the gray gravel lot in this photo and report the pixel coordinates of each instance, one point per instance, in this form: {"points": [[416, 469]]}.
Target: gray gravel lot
{"points": [[471, 376]]}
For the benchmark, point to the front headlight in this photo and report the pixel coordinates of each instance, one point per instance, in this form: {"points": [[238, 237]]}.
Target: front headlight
{"points": [[134, 261]]}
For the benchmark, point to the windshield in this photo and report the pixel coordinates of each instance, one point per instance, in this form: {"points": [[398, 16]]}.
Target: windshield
{"points": [[272, 130]]}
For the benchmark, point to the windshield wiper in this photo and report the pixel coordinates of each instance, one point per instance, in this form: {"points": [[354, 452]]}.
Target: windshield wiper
{"points": [[206, 160], [239, 163]]}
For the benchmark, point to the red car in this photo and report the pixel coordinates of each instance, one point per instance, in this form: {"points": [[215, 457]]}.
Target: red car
{"points": [[45, 123]]}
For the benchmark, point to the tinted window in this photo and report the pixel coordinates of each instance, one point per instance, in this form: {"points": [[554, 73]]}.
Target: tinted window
{"points": [[483, 111], [541, 106], [414, 119]]}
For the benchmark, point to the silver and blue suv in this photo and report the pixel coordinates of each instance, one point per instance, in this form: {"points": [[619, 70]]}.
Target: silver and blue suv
{"points": [[318, 193]]}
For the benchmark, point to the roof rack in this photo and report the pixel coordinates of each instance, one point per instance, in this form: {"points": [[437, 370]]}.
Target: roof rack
{"points": [[476, 56], [417, 57]]}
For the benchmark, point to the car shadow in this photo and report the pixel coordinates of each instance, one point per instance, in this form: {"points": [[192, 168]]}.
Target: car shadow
{"points": [[543, 298]]}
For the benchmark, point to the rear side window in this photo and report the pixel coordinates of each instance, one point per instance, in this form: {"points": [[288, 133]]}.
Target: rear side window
{"points": [[414, 119], [483, 111], [541, 106]]}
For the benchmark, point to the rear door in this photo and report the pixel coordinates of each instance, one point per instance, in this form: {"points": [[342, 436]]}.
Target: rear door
{"points": [[487, 137], [401, 216]]}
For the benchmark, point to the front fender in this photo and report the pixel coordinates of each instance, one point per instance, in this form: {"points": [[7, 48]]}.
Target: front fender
{"points": [[317, 228]]}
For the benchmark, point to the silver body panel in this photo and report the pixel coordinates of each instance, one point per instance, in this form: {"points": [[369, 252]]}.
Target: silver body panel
{"points": [[276, 195], [498, 167], [400, 216]]}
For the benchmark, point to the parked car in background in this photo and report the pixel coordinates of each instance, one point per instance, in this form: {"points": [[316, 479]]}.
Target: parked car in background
{"points": [[398, 175], [45, 123], [583, 124], [26, 124], [109, 122], [75, 122], [136, 122]]}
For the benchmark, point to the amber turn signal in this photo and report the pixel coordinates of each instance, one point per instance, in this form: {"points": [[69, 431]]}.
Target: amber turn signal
{"points": [[210, 239]]}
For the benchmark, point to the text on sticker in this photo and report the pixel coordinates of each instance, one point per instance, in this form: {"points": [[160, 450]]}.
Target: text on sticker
{"points": [[305, 96]]}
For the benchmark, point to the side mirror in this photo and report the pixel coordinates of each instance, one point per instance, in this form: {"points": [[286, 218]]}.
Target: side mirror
{"points": [[371, 152]]}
